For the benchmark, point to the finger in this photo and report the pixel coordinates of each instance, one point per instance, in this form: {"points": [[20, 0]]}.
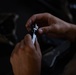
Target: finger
{"points": [[35, 18], [28, 40], [52, 31], [53, 28], [47, 29], [22, 44], [14, 62], [15, 49], [37, 47]]}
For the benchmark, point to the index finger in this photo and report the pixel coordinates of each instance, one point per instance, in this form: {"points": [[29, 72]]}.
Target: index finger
{"points": [[35, 18]]}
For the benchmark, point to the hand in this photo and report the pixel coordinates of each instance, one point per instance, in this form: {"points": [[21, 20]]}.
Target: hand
{"points": [[51, 25], [26, 58]]}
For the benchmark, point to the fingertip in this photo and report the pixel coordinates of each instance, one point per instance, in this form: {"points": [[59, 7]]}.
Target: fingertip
{"points": [[28, 36], [40, 30], [28, 41]]}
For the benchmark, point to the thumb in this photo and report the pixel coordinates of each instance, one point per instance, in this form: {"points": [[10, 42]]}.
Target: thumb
{"points": [[28, 40], [46, 29]]}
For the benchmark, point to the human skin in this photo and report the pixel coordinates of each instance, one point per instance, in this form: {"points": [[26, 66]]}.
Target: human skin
{"points": [[52, 26], [26, 57]]}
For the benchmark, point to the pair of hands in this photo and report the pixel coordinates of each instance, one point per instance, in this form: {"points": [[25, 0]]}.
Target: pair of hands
{"points": [[26, 57]]}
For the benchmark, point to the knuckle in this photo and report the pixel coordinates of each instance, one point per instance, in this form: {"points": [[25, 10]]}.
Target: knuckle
{"points": [[13, 55], [20, 51], [40, 55], [17, 45], [25, 38], [34, 16], [46, 13], [10, 59]]}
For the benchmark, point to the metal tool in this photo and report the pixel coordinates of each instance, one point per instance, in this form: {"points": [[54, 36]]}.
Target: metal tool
{"points": [[34, 31]]}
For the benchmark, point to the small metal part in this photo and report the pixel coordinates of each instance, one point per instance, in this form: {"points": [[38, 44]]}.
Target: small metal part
{"points": [[35, 28], [34, 35]]}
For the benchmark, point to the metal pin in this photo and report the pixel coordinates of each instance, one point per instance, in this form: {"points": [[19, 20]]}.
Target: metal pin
{"points": [[34, 35]]}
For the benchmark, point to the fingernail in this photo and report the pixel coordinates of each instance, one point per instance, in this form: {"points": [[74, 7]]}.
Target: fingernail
{"points": [[40, 30]]}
